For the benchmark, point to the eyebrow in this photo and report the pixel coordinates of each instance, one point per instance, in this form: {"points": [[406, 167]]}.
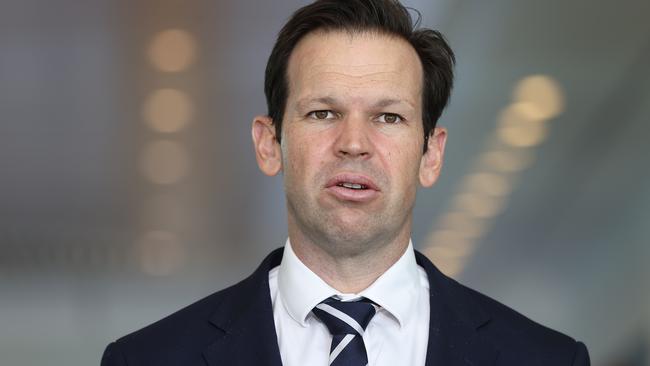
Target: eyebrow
{"points": [[388, 102], [302, 103], [328, 100]]}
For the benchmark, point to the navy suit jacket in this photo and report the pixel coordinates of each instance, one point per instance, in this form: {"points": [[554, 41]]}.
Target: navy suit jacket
{"points": [[235, 327]]}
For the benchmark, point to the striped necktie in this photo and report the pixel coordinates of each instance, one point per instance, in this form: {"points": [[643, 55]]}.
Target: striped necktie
{"points": [[346, 322]]}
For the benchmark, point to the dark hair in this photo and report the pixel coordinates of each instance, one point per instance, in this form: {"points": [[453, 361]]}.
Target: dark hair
{"points": [[357, 16]]}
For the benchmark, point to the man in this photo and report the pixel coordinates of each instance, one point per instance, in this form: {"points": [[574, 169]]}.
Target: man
{"points": [[354, 94]]}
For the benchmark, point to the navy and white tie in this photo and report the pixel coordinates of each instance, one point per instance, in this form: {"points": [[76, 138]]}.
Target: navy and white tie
{"points": [[346, 322]]}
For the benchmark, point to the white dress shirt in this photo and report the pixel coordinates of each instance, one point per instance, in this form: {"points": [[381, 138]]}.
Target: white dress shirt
{"points": [[396, 335]]}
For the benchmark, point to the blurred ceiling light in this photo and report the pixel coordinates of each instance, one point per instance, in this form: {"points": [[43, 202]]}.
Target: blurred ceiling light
{"points": [[462, 223], [454, 243], [168, 110], [478, 205], [507, 161], [446, 252], [172, 50], [160, 253], [541, 94], [528, 111], [489, 183], [165, 210], [448, 265], [164, 162], [484, 192], [455, 220], [518, 130]]}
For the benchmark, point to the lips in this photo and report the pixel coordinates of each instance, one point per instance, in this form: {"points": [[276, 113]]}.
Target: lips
{"points": [[352, 187], [352, 181]]}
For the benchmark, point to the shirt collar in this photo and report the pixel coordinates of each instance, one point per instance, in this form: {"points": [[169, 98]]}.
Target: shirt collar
{"points": [[396, 290]]}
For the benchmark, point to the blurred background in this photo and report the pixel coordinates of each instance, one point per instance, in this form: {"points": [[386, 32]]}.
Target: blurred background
{"points": [[129, 188]]}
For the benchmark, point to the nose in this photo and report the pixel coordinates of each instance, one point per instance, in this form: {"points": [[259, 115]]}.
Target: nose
{"points": [[353, 139]]}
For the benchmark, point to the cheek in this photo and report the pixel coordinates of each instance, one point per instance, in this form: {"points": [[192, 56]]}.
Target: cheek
{"points": [[293, 159], [302, 155], [401, 158]]}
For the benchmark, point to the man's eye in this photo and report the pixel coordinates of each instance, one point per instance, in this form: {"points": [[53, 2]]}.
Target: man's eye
{"points": [[321, 115], [390, 118]]}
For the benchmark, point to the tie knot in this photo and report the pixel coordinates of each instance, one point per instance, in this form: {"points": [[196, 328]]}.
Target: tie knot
{"points": [[345, 317]]}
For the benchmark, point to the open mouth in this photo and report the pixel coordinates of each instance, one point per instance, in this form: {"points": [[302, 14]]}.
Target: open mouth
{"points": [[353, 181], [355, 186]]}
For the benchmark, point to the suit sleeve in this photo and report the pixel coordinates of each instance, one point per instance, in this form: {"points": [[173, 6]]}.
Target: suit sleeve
{"points": [[581, 356], [113, 356]]}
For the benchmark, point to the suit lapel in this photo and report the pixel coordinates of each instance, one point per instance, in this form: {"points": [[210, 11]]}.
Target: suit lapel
{"points": [[454, 321], [245, 323], [247, 336]]}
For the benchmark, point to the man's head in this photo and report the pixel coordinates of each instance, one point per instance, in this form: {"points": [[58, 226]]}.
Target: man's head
{"points": [[387, 17], [352, 98]]}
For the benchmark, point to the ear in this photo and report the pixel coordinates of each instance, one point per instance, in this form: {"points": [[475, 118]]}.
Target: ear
{"points": [[431, 162], [267, 148]]}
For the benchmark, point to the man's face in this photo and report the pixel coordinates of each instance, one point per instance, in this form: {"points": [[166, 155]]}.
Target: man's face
{"points": [[353, 139]]}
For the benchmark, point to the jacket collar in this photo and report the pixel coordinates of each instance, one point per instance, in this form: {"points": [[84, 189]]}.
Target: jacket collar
{"points": [[455, 318], [247, 336], [245, 321]]}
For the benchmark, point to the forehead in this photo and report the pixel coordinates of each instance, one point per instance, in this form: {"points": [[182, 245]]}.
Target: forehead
{"points": [[363, 66]]}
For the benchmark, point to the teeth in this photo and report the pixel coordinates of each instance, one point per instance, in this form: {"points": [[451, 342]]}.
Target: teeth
{"points": [[352, 185]]}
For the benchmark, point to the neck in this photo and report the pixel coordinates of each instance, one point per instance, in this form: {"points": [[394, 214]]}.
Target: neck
{"points": [[349, 272]]}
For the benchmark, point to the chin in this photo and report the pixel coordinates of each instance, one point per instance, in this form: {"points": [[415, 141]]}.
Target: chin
{"points": [[351, 234]]}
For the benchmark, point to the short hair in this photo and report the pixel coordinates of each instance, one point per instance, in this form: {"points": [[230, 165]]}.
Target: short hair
{"points": [[387, 17]]}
